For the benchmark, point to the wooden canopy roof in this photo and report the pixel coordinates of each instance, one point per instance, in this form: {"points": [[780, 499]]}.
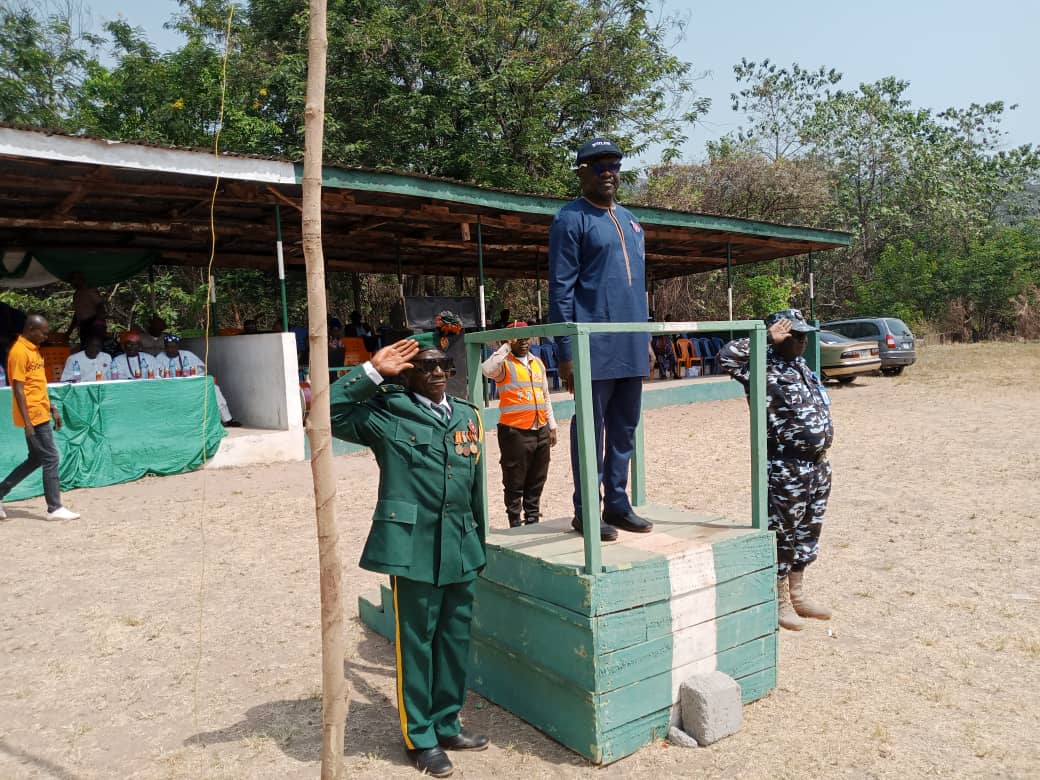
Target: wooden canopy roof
{"points": [[83, 194]]}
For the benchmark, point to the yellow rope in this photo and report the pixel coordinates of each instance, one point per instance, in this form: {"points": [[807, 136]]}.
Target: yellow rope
{"points": [[205, 395]]}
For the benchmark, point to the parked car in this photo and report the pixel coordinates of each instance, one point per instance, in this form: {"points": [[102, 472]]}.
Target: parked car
{"points": [[844, 359], [895, 341]]}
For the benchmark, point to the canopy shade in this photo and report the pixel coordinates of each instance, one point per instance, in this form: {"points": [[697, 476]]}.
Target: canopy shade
{"points": [[64, 193]]}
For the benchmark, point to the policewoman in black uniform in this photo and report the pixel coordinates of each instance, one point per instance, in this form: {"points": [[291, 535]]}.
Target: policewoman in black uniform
{"points": [[427, 530]]}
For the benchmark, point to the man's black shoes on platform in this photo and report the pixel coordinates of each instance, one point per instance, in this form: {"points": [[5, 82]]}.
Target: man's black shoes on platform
{"points": [[464, 741], [628, 521], [432, 761], [606, 532]]}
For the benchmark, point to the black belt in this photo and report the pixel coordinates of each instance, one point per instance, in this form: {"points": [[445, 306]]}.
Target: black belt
{"points": [[787, 453]]}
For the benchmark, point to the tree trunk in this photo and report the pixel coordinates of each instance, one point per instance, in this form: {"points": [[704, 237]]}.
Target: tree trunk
{"points": [[319, 425]]}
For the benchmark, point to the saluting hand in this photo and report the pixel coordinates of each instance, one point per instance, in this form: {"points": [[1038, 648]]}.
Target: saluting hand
{"points": [[392, 360], [779, 331]]}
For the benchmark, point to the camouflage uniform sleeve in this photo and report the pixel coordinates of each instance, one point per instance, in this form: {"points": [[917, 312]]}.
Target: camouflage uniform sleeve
{"points": [[735, 359]]}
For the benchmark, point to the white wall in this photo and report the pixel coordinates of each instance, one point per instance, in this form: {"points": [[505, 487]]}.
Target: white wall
{"points": [[259, 377]]}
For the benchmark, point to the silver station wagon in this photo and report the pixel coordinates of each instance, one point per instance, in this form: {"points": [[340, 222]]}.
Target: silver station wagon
{"points": [[895, 340]]}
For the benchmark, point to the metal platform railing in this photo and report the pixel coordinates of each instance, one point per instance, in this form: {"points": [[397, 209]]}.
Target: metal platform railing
{"points": [[589, 478]]}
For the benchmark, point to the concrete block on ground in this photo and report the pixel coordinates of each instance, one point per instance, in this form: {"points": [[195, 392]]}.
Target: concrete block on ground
{"points": [[680, 738], [711, 707]]}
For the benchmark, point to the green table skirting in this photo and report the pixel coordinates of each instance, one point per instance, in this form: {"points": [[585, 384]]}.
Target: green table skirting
{"points": [[119, 431]]}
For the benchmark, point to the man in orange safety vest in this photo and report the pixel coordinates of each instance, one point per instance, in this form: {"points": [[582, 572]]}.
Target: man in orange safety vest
{"points": [[526, 425]]}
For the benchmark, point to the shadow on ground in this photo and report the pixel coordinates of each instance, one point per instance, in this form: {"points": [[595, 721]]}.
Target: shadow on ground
{"points": [[373, 728]]}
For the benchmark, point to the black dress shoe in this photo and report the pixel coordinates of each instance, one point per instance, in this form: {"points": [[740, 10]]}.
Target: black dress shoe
{"points": [[628, 521], [432, 761], [464, 741], [606, 532]]}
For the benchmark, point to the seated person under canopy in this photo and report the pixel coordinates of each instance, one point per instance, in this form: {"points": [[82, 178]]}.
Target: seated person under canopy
{"points": [[93, 365], [133, 363], [176, 362]]}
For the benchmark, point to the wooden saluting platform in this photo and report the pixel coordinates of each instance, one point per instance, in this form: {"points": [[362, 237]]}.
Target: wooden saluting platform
{"points": [[595, 662]]}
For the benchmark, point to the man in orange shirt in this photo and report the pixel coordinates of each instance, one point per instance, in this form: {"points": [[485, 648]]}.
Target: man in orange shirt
{"points": [[32, 411]]}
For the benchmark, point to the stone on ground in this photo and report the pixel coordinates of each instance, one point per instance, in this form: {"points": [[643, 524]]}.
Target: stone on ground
{"points": [[680, 738], [711, 707]]}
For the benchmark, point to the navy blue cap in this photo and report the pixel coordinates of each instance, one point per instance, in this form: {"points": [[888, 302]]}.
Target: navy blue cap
{"points": [[798, 321], [598, 147]]}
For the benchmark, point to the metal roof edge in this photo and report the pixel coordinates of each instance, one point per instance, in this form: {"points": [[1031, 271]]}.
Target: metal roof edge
{"points": [[439, 189], [93, 151], [655, 216], [474, 195]]}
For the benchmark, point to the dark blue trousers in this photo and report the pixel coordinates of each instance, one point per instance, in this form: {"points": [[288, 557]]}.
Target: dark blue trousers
{"points": [[616, 405]]}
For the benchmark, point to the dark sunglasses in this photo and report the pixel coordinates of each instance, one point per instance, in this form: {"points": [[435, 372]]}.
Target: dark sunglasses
{"points": [[598, 168], [429, 365]]}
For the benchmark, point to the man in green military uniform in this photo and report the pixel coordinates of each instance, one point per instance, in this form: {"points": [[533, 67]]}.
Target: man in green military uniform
{"points": [[427, 530]]}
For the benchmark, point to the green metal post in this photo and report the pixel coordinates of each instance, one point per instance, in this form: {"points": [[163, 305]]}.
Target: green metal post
{"points": [[212, 294], [480, 274], [638, 467], [757, 401], [812, 348], [589, 474], [729, 278], [476, 390], [812, 290], [281, 267], [480, 294]]}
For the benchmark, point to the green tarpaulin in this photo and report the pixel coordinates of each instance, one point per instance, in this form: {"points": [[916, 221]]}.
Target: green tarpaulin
{"points": [[119, 431], [23, 268]]}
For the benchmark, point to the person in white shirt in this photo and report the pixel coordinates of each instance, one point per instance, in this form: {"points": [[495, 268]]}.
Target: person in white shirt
{"points": [[94, 365], [174, 362], [152, 336], [133, 363]]}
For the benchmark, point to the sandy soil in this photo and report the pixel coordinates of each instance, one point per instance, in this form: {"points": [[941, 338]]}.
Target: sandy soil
{"points": [[173, 632]]}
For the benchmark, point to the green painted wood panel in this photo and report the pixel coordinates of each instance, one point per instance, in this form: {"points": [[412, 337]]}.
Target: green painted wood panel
{"points": [[748, 658], [627, 739], [549, 703], [757, 685]]}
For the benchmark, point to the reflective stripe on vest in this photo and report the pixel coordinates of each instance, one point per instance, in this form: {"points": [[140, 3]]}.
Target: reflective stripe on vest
{"points": [[521, 401]]}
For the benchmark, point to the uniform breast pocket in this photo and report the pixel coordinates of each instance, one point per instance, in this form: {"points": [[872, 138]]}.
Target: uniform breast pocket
{"points": [[391, 539], [792, 395], [415, 441], [472, 552]]}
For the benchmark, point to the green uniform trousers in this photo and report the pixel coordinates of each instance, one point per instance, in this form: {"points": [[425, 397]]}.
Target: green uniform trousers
{"points": [[432, 631]]}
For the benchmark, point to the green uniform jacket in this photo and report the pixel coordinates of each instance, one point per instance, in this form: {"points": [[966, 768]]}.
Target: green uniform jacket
{"points": [[429, 520]]}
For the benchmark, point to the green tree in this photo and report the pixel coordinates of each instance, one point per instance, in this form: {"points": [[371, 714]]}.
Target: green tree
{"points": [[175, 98], [498, 92], [763, 294], [45, 53]]}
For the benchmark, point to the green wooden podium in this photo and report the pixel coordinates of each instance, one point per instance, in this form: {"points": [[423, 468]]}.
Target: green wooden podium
{"points": [[589, 641]]}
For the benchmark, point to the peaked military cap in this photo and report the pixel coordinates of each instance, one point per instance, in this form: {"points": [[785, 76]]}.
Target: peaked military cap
{"points": [[798, 321]]}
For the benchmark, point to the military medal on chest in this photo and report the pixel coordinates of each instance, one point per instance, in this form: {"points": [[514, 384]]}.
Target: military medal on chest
{"points": [[460, 446], [471, 434]]}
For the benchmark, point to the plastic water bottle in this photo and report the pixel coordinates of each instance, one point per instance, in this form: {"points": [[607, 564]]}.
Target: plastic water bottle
{"points": [[115, 371], [3, 377], [173, 368], [77, 375]]}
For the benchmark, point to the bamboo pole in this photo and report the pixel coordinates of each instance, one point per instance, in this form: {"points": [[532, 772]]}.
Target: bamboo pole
{"points": [[334, 693]]}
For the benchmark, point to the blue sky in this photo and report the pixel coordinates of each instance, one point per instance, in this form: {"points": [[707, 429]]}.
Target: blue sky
{"points": [[952, 52]]}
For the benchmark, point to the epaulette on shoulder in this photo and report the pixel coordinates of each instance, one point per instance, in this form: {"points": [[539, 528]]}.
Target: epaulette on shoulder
{"points": [[467, 403]]}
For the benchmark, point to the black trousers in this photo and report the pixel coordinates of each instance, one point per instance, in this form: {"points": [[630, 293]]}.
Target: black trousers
{"points": [[525, 466], [42, 452]]}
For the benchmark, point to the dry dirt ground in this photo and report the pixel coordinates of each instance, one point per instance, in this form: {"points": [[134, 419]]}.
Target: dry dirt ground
{"points": [[173, 632]]}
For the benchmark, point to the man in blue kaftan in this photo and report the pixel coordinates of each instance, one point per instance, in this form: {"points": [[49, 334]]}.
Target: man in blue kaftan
{"points": [[597, 273]]}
